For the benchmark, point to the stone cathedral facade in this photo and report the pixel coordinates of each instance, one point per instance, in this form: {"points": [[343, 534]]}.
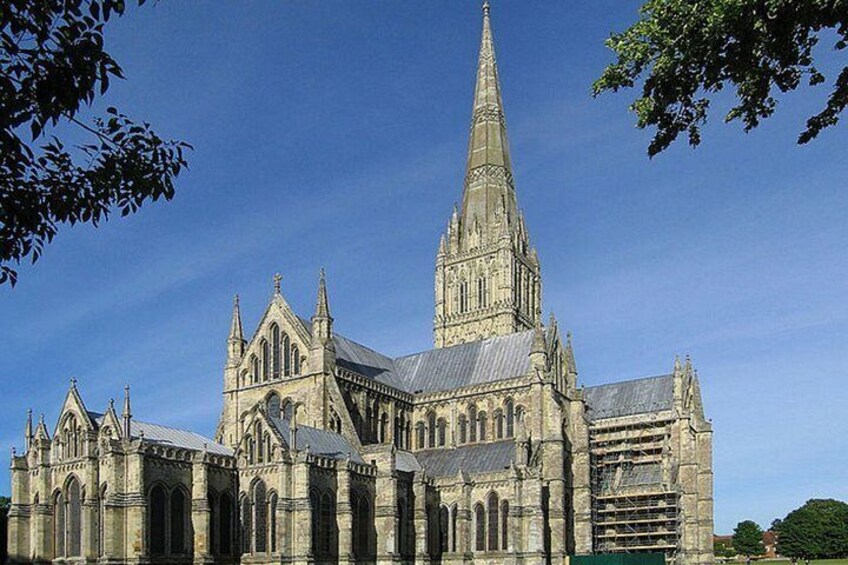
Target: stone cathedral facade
{"points": [[485, 448]]}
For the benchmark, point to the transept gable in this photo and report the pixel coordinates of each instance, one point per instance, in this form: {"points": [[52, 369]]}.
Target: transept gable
{"points": [[73, 406], [278, 311]]}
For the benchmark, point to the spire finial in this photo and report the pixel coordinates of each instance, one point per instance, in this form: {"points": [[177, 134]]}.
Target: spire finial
{"points": [[235, 341], [278, 279], [322, 305], [126, 416], [28, 432], [486, 8]]}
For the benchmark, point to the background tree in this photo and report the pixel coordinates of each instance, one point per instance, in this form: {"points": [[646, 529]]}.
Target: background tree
{"points": [[724, 548], [688, 50], [52, 62], [748, 538], [817, 530]]}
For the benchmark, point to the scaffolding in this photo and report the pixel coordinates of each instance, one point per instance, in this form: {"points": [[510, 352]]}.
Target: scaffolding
{"points": [[635, 503]]}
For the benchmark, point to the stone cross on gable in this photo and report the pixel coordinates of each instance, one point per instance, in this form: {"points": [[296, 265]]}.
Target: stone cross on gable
{"points": [[278, 278]]}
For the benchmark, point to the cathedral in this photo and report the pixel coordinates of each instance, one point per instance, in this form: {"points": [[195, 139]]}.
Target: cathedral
{"points": [[485, 448]]}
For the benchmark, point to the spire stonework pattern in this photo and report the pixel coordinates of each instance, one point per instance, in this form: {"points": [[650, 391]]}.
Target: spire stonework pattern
{"points": [[487, 273]]}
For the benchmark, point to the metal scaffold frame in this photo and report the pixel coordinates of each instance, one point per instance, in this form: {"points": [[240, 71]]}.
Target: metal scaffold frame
{"points": [[635, 503]]}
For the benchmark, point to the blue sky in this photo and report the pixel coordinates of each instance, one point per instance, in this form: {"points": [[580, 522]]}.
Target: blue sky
{"points": [[334, 134]]}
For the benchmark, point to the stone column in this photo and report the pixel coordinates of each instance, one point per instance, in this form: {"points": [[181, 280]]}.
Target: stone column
{"points": [[704, 447], [463, 525], [581, 497], [688, 480], [344, 514], [302, 511], [385, 509], [91, 507], [19, 513], [419, 492], [533, 523], [42, 513], [135, 535], [201, 513]]}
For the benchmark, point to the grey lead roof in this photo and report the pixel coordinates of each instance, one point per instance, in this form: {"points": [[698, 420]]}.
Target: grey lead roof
{"points": [[493, 359], [625, 398], [407, 462], [177, 438], [320, 442], [473, 459], [164, 435], [366, 362]]}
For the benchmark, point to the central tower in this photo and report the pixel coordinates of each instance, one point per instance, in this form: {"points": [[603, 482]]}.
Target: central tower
{"points": [[487, 273]]}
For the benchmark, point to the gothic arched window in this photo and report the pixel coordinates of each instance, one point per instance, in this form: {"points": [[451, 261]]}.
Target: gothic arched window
{"points": [[494, 523], [472, 424], [482, 293], [328, 524], [453, 519], [509, 410], [260, 517], [463, 297], [442, 426], [158, 517], [179, 519], [254, 369], [74, 519], [225, 524], [479, 527], [275, 344], [431, 429], [444, 526], [272, 518], [499, 424], [419, 435], [295, 353], [287, 352], [246, 525], [266, 360], [59, 525], [484, 422], [362, 526], [505, 525], [463, 429]]}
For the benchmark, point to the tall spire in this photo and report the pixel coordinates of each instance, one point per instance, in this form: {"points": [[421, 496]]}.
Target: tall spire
{"points": [[28, 429], [126, 415], [322, 306], [322, 351], [235, 341], [487, 273], [488, 175]]}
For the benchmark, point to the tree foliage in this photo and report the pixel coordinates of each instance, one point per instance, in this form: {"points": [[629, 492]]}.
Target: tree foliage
{"points": [[748, 538], [688, 50], [52, 63], [724, 548], [817, 530]]}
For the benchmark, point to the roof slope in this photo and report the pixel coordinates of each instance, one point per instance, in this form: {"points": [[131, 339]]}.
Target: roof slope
{"points": [[625, 398], [320, 442], [165, 435], [177, 438], [494, 359], [472, 459]]}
